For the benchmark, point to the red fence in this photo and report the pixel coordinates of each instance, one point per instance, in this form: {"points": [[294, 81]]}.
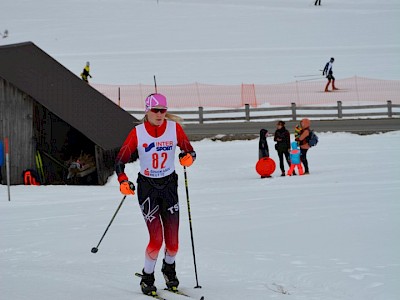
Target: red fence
{"points": [[355, 90]]}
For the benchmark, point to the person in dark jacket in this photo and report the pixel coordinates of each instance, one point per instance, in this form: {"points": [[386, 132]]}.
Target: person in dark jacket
{"points": [[263, 150], [282, 146]]}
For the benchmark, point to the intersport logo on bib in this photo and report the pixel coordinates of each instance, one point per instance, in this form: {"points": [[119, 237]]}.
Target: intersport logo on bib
{"points": [[160, 146]]}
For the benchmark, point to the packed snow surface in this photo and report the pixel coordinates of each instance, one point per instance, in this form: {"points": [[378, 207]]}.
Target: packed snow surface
{"points": [[329, 235]]}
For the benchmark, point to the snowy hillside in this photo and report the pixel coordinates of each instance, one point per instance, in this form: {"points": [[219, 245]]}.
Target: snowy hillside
{"points": [[210, 41], [327, 236]]}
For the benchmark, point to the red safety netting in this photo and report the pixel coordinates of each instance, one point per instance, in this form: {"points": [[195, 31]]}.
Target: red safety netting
{"points": [[351, 90]]}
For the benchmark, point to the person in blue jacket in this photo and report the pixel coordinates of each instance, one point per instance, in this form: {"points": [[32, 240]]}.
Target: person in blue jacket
{"points": [[295, 159]]}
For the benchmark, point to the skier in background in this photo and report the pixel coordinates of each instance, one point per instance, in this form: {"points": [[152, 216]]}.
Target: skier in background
{"points": [[86, 72], [282, 146], [328, 72], [155, 141], [317, 1]]}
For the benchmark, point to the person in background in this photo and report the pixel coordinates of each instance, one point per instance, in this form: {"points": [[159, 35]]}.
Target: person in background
{"points": [[303, 142], [155, 141], [282, 146], [86, 72], [297, 131], [317, 2], [328, 72], [295, 160], [263, 150]]}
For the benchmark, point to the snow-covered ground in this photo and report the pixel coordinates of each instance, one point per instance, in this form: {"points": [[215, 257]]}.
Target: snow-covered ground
{"points": [[332, 235], [210, 41], [327, 236]]}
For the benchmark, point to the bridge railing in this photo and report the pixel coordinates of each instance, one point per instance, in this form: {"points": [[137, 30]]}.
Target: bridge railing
{"points": [[292, 112]]}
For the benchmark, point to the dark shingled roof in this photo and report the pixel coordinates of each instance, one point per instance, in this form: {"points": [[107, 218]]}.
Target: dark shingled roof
{"points": [[40, 76]]}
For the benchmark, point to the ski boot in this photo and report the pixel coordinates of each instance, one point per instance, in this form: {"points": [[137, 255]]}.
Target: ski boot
{"points": [[147, 283], [169, 273]]}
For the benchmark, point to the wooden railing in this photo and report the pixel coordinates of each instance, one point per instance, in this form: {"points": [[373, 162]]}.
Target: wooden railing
{"points": [[293, 112]]}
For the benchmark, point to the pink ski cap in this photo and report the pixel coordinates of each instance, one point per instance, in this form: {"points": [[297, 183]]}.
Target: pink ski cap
{"points": [[155, 100]]}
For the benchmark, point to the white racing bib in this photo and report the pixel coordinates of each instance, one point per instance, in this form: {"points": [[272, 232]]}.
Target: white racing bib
{"points": [[157, 155]]}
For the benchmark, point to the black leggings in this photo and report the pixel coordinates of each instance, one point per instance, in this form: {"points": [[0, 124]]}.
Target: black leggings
{"points": [[303, 158], [280, 155], [158, 200]]}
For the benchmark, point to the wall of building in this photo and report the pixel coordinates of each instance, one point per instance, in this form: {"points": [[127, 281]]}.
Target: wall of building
{"points": [[16, 123]]}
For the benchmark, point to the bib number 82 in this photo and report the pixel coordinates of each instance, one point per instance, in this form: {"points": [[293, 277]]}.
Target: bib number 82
{"points": [[156, 158]]}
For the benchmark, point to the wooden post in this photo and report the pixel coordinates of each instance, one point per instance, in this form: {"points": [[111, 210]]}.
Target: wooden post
{"points": [[1, 159], [294, 116], [198, 93], [119, 96], [247, 111], [99, 158], [7, 167], [339, 110], [389, 106], [201, 116]]}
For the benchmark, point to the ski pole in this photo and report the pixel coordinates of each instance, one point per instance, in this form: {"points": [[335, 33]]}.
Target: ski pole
{"points": [[308, 79], [308, 75], [8, 172], [155, 83], [190, 226], [95, 249]]}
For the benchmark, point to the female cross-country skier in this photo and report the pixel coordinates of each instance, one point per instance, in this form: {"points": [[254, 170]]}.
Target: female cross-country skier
{"points": [[155, 140]]}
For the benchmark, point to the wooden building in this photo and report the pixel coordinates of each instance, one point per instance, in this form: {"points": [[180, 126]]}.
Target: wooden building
{"points": [[56, 123]]}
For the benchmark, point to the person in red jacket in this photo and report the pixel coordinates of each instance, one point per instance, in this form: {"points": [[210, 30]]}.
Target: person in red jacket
{"points": [[155, 141]]}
